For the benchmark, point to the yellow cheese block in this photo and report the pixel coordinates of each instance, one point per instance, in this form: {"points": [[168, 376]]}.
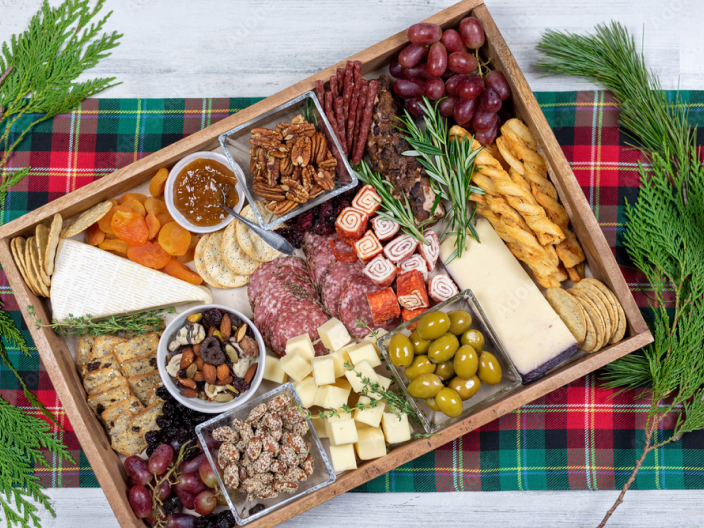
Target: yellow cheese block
{"points": [[370, 443], [342, 457], [331, 397], [324, 370], [342, 432], [343, 384], [340, 357], [296, 366], [307, 391], [333, 334], [327, 421], [273, 371], [370, 416], [319, 426], [301, 345], [396, 428], [366, 370], [364, 351]]}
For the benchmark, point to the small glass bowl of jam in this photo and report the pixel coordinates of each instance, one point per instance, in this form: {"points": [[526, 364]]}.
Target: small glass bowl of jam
{"points": [[194, 195]]}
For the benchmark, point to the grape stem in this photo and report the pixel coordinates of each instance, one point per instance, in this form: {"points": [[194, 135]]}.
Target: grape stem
{"points": [[156, 501], [480, 63]]}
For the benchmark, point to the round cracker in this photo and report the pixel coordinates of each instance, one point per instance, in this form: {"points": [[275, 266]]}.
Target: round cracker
{"points": [[622, 323], [17, 245], [33, 269], [569, 310], [589, 343], [87, 219], [601, 303], [53, 242], [593, 312], [250, 242], [41, 235], [591, 286], [199, 262], [216, 267], [234, 256]]}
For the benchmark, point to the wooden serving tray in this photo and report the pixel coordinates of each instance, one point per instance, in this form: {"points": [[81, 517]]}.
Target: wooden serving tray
{"points": [[61, 366]]}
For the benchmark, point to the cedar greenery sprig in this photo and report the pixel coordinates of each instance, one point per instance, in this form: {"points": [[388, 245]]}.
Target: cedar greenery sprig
{"points": [[134, 324], [663, 231], [39, 68], [449, 165], [392, 208], [23, 439]]}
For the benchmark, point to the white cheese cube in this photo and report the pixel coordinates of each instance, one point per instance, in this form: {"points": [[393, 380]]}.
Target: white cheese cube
{"points": [[370, 443], [396, 429], [342, 432], [329, 420], [364, 351], [333, 334], [343, 384], [331, 397], [342, 457], [296, 366], [301, 345], [307, 390], [370, 416], [340, 357], [384, 382], [319, 426], [273, 371], [324, 370], [366, 370]]}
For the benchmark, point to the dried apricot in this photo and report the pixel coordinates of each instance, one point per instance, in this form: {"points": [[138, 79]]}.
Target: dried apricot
{"points": [[174, 239], [114, 201], [164, 218], [95, 234], [130, 227], [149, 254], [115, 245], [191, 253], [141, 198], [135, 206], [153, 224], [156, 186], [156, 206], [175, 269], [105, 221]]}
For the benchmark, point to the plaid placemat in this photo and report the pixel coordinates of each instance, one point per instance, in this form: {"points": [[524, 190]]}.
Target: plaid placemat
{"points": [[578, 437]]}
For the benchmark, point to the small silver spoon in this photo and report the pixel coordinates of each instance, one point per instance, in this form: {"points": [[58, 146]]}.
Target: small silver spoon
{"points": [[270, 237]]}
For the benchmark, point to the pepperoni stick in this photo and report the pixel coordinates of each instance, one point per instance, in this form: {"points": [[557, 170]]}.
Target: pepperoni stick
{"points": [[333, 86], [320, 92], [360, 108], [340, 115], [353, 103], [330, 114], [347, 91], [365, 123], [340, 81]]}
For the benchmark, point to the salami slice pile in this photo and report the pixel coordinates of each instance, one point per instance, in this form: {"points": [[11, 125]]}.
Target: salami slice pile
{"points": [[342, 285], [285, 302]]}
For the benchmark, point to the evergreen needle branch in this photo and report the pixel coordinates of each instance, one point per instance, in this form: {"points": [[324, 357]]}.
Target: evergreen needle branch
{"points": [[664, 231]]}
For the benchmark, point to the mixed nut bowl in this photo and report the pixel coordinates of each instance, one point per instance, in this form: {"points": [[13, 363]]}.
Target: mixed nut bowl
{"points": [[211, 358]]}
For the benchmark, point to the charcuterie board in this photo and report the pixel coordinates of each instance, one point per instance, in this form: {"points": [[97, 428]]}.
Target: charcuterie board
{"points": [[59, 355]]}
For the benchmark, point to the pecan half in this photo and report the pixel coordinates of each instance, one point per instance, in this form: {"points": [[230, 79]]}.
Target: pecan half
{"points": [[296, 174], [300, 154], [327, 164], [315, 191], [269, 193], [272, 166], [280, 208], [321, 147], [308, 177], [285, 166], [296, 192], [267, 139], [324, 179]]}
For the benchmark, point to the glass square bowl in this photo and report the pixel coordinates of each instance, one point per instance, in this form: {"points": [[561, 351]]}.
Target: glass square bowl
{"points": [[431, 420], [322, 476], [235, 144]]}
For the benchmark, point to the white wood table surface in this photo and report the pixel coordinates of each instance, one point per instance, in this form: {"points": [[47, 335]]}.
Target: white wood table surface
{"points": [[229, 48]]}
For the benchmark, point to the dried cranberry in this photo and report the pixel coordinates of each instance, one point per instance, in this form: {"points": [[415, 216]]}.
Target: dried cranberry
{"points": [[256, 509], [304, 221], [212, 317]]}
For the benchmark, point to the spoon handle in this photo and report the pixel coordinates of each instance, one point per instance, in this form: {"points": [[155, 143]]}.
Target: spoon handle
{"points": [[273, 239]]}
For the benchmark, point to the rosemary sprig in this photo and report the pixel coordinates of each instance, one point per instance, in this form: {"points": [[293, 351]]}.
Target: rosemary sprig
{"points": [[663, 231], [449, 165], [392, 208], [38, 71], [134, 325]]}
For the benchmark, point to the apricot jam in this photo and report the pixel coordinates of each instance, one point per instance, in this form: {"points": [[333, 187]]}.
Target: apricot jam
{"points": [[198, 192]]}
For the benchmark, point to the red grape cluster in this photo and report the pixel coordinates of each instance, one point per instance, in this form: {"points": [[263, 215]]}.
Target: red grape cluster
{"points": [[438, 65], [162, 487]]}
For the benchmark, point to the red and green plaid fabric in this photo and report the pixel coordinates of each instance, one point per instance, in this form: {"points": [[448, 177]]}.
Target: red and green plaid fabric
{"points": [[578, 437]]}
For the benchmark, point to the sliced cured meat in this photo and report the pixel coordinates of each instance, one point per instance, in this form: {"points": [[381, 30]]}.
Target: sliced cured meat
{"points": [[336, 279], [354, 306], [263, 272], [294, 322], [285, 305], [271, 302], [320, 261]]}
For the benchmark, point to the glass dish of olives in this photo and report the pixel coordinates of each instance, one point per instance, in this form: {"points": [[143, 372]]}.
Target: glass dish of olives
{"points": [[449, 361]]}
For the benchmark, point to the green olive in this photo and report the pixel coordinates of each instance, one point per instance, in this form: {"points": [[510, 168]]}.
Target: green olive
{"points": [[425, 386], [460, 321], [420, 345], [489, 369], [421, 365], [443, 348], [474, 338], [430, 402], [466, 362], [466, 388], [445, 370], [401, 350], [449, 402], [433, 325]]}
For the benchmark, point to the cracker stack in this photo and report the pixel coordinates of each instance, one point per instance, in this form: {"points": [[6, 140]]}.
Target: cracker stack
{"points": [[121, 377], [591, 312]]}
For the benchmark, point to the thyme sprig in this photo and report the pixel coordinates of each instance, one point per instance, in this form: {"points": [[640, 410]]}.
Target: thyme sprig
{"points": [[449, 165], [663, 231], [134, 325]]}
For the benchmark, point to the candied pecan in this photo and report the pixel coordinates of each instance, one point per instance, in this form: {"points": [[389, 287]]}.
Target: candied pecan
{"points": [[276, 434], [293, 415], [227, 453], [271, 420], [271, 445], [232, 476], [300, 154], [285, 486], [254, 448], [225, 434], [301, 428], [263, 462], [244, 474], [304, 453], [277, 466], [280, 402], [294, 440], [268, 492], [308, 465], [246, 432], [288, 455], [324, 179], [295, 474], [256, 413], [252, 484]]}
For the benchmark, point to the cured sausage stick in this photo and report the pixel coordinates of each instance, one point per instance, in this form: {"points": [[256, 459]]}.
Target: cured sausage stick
{"points": [[320, 92], [365, 123], [340, 115], [353, 104], [347, 90]]}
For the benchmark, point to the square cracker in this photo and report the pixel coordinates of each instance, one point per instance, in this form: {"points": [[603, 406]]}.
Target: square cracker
{"points": [[106, 362], [107, 398], [139, 365], [122, 438], [145, 421], [137, 346], [104, 345], [144, 383], [118, 381], [100, 376], [85, 345], [131, 404], [153, 396]]}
